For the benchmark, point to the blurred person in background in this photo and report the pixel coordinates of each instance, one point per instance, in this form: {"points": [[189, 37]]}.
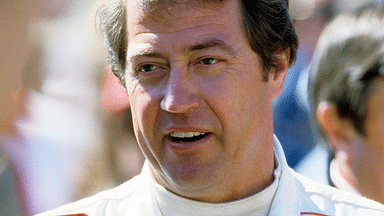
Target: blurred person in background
{"points": [[118, 158], [15, 18], [347, 92], [60, 99], [292, 114], [292, 118]]}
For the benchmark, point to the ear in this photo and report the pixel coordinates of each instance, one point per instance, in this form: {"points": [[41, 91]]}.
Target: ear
{"points": [[278, 74], [339, 132]]}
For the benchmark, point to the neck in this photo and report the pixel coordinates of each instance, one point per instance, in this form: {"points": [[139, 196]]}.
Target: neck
{"points": [[344, 178], [248, 182]]}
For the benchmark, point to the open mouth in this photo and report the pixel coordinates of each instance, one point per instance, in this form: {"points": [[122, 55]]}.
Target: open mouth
{"points": [[187, 136]]}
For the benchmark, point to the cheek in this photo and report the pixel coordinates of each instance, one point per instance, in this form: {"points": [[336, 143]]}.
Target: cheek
{"points": [[143, 110], [143, 107], [375, 132], [252, 99], [144, 117], [240, 105], [374, 127], [374, 119]]}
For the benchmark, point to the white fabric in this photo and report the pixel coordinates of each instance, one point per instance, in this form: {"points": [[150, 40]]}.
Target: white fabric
{"points": [[295, 195], [315, 164]]}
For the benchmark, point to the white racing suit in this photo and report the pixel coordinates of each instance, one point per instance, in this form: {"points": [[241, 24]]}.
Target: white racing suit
{"points": [[295, 196]]}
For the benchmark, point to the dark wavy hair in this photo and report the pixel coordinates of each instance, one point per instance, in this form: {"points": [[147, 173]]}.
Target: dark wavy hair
{"points": [[266, 22]]}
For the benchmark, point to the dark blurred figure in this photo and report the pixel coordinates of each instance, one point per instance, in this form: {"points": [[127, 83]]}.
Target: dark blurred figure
{"points": [[347, 99]]}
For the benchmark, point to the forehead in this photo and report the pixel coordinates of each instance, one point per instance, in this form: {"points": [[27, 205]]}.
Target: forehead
{"points": [[166, 9], [182, 22], [178, 16]]}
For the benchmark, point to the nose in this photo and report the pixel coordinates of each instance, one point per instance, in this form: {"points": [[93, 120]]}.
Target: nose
{"points": [[181, 93]]}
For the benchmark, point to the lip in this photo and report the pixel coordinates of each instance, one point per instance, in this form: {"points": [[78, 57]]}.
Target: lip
{"points": [[187, 147], [168, 131]]}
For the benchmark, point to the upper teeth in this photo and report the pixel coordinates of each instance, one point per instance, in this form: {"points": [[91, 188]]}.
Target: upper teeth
{"points": [[185, 134]]}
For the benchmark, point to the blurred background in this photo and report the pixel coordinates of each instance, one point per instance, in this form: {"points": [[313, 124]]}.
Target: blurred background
{"points": [[73, 135]]}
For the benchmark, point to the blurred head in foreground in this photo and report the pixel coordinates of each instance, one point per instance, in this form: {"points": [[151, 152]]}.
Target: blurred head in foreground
{"points": [[347, 99]]}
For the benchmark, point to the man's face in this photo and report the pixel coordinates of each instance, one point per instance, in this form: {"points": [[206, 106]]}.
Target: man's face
{"points": [[201, 112]]}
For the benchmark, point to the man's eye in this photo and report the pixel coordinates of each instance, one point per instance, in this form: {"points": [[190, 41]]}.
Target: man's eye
{"points": [[147, 68], [208, 61]]}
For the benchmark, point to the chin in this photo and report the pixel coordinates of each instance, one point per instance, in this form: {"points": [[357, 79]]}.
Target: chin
{"points": [[192, 180]]}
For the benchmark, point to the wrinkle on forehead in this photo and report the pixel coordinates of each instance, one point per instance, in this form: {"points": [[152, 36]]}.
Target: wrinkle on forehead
{"points": [[154, 6], [164, 9], [160, 10], [178, 17], [175, 25]]}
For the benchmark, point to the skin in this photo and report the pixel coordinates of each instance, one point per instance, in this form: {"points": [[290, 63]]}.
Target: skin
{"points": [[359, 157], [192, 70], [14, 47]]}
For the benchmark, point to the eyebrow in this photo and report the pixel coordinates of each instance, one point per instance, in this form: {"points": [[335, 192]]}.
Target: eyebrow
{"points": [[214, 43], [148, 54]]}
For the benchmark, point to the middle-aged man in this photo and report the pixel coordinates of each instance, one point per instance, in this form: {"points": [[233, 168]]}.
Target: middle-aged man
{"points": [[201, 77]]}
